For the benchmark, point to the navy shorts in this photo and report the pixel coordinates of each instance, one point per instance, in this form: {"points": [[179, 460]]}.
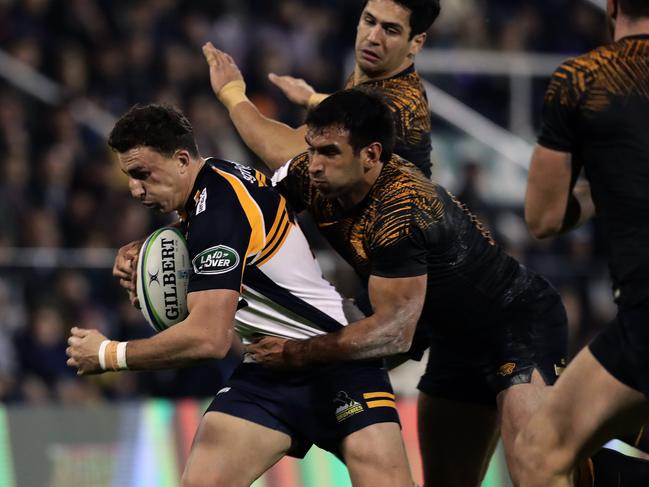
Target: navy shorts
{"points": [[623, 347], [319, 405], [531, 333]]}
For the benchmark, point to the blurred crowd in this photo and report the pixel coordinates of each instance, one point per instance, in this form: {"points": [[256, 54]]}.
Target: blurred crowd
{"points": [[60, 188]]}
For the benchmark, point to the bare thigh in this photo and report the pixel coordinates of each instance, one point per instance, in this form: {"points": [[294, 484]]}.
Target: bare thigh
{"points": [[376, 457], [456, 440], [585, 408], [232, 452]]}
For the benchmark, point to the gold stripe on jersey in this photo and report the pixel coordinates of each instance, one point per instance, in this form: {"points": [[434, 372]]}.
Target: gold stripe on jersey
{"points": [[277, 234], [262, 180], [252, 211], [382, 403], [374, 395], [615, 70]]}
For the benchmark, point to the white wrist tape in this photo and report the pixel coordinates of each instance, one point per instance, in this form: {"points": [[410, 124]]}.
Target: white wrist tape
{"points": [[101, 354], [121, 355]]}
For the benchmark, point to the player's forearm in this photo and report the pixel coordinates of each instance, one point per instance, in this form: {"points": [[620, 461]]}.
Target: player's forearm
{"points": [[274, 142], [178, 346], [361, 340]]}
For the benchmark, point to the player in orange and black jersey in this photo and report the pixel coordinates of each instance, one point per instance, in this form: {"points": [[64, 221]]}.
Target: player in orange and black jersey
{"points": [[596, 118], [496, 330], [405, 96], [389, 35]]}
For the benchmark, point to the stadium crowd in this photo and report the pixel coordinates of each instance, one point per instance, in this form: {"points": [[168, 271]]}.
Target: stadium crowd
{"points": [[60, 188]]}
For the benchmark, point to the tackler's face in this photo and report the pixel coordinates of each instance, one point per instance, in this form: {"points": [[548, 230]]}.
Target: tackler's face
{"points": [[382, 45], [334, 169], [153, 178]]}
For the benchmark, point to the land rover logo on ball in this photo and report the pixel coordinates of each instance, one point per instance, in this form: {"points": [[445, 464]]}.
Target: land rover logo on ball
{"points": [[216, 260]]}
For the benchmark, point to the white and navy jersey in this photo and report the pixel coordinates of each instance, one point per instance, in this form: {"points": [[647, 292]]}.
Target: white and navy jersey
{"points": [[241, 236]]}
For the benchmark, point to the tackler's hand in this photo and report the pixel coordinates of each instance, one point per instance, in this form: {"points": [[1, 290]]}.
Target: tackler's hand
{"points": [[268, 351]]}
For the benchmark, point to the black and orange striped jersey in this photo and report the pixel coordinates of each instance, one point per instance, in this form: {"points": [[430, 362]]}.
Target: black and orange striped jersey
{"points": [[241, 237], [597, 108], [408, 226], [404, 94]]}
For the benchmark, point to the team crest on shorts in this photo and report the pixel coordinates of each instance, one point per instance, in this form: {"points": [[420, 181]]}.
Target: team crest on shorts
{"points": [[560, 367], [506, 369], [346, 406]]}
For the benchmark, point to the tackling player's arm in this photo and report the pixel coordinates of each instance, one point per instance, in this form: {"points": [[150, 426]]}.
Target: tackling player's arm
{"points": [[554, 204], [206, 333], [397, 304], [274, 142]]}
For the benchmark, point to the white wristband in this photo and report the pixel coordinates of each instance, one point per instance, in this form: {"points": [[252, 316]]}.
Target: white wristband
{"points": [[121, 355], [101, 354]]}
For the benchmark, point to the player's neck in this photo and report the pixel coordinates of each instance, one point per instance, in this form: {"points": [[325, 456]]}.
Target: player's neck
{"points": [[361, 76], [192, 173], [625, 27], [358, 192]]}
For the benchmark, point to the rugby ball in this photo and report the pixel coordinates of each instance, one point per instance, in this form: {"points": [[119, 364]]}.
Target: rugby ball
{"points": [[163, 271]]}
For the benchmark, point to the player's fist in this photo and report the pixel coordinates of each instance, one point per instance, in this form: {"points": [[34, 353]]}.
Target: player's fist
{"points": [[83, 350], [223, 69], [296, 89]]}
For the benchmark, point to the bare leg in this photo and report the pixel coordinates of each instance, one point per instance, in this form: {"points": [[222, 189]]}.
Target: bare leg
{"points": [[586, 407], [232, 452], [376, 457], [456, 440], [516, 406]]}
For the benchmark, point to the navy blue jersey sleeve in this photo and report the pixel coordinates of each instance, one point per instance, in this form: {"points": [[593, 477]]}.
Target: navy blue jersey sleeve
{"points": [[218, 238], [561, 107]]}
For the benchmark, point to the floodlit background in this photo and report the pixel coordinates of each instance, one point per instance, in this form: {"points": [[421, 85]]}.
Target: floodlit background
{"points": [[69, 68]]}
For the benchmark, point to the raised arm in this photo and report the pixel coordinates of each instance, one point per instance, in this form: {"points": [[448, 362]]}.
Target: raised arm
{"points": [[274, 142], [397, 304], [206, 333], [554, 204]]}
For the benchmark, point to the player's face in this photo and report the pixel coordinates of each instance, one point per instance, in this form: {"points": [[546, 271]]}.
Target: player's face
{"points": [[334, 169], [153, 179], [382, 44]]}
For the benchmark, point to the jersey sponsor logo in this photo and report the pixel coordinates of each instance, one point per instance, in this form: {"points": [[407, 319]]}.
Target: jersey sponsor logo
{"points": [[202, 202], [216, 260], [506, 369], [346, 406]]}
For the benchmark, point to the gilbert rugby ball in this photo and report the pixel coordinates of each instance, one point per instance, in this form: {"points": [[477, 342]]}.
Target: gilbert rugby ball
{"points": [[162, 278]]}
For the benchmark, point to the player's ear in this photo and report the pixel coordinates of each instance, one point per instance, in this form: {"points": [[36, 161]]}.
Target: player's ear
{"points": [[416, 44], [183, 158], [612, 8], [372, 155]]}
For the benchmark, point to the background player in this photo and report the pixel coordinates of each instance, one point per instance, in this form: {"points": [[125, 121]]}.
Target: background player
{"points": [[496, 331], [262, 414], [596, 116], [389, 35]]}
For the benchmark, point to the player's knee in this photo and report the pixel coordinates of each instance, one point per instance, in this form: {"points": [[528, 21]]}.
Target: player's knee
{"points": [[192, 477], [539, 455]]}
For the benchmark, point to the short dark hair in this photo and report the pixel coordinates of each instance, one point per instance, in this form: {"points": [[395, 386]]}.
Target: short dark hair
{"points": [[362, 113], [634, 8], [162, 128], [422, 14]]}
